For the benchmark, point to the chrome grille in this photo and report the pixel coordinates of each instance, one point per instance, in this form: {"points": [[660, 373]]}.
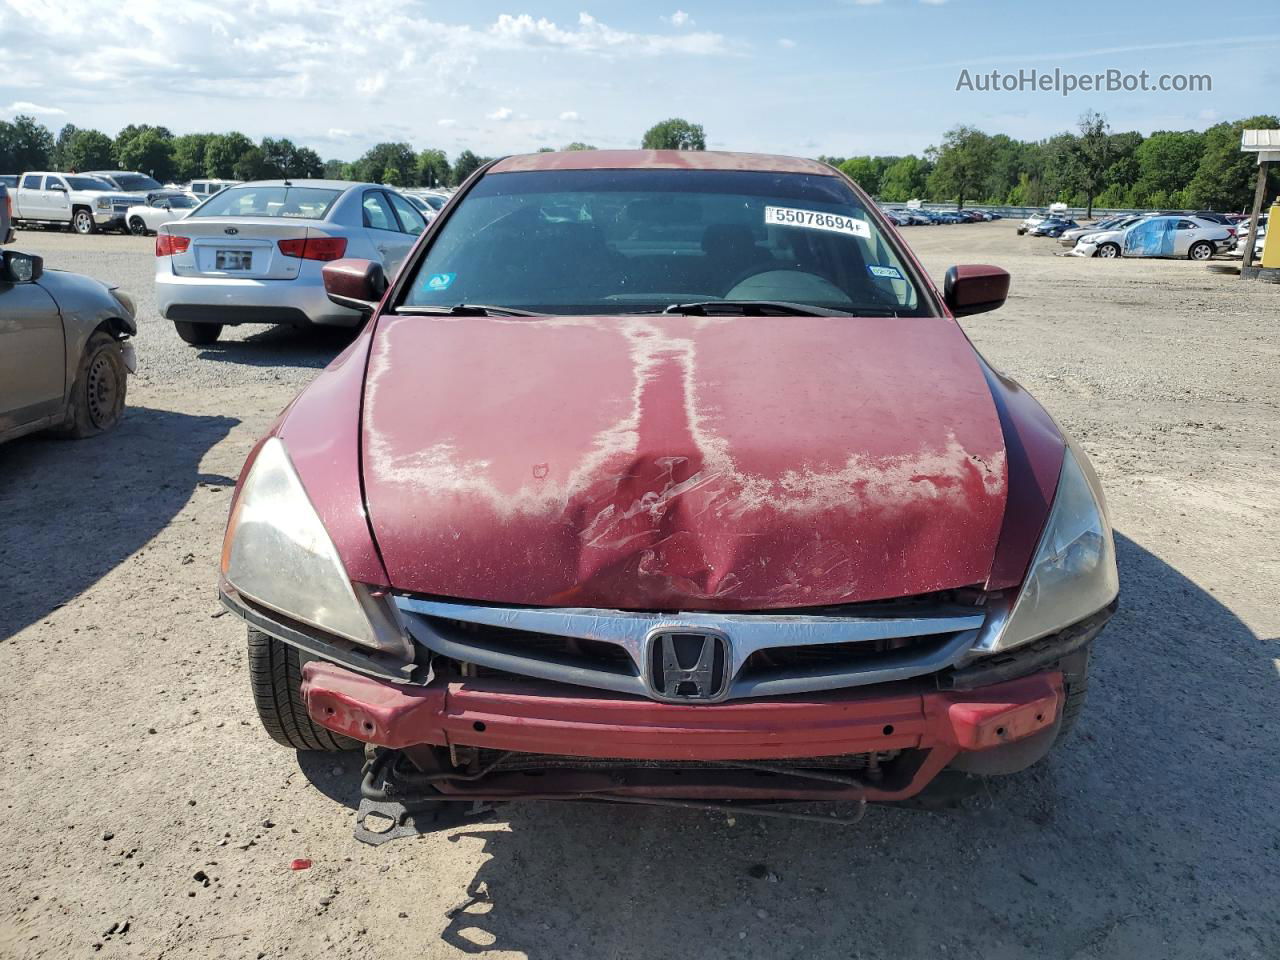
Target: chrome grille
{"points": [[770, 654]]}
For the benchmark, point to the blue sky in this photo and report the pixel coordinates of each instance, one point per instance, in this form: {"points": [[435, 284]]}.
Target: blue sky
{"points": [[806, 77]]}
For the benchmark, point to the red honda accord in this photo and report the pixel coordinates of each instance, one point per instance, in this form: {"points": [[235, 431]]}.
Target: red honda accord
{"points": [[667, 477]]}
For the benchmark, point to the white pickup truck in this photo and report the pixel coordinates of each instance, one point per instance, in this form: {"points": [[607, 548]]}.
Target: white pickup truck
{"points": [[84, 203]]}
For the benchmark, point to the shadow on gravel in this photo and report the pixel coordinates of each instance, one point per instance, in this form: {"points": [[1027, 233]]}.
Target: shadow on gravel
{"points": [[1148, 834], [70, 511], [305, 347]]}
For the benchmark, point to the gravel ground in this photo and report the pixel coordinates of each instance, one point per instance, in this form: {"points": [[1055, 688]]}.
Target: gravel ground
{"points": [[148, 816]]}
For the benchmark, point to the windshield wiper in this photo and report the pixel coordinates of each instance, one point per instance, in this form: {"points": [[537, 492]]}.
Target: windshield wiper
{"points": [[753, 308], [468, 310]]}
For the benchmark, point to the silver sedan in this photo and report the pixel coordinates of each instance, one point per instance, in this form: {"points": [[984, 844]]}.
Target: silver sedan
{"points": [[253, 253]]}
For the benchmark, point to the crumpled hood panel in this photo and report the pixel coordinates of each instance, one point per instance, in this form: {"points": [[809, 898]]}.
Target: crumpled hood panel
{"points": [[680, 462]]}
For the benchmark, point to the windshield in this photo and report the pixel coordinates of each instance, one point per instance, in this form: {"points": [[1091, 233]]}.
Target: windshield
{"points": [[88, 183], [265, 201], [634, 241], [135, 181]]}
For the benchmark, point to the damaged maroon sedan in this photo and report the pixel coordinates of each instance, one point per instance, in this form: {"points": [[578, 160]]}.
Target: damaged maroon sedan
{"points": [[667, 478]]}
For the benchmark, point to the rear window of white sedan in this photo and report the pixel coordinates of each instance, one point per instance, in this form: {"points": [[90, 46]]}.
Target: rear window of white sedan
{"points": [[310, 203]]}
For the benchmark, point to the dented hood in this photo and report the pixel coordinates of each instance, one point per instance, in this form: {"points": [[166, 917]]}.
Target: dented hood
{"points": [[680, 462]]}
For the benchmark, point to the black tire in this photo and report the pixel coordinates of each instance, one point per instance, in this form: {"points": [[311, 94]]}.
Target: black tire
{"points": [[82, 221], [137, 227], [1075, 682], [275, 676], [198, 334], [97, 396], [1200, 250], [1108, 251]]}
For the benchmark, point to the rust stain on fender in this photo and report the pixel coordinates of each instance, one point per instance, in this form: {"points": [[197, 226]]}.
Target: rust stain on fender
{"points": [[681, 462]]}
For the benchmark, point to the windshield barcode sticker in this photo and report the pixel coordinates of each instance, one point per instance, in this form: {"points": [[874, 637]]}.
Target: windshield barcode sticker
{"points": [[816, 220]]}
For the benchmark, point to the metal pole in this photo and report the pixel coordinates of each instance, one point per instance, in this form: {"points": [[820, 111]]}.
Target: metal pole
{"points": [[1258, 195]]}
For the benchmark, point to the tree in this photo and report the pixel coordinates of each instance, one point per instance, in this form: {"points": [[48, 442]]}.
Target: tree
{"points": [[1166, 162], [223, 151], [251, 165], [960, 164], [905, 179], [87, 150], [466, 164], [283, 159], [392, 177], [334, 170], [1226, 176], [864, 171], [25, 145], [433, 168], [146, 148], [189, 155], [674, 134], [1091, 156], [577, 145], [382, 156]]}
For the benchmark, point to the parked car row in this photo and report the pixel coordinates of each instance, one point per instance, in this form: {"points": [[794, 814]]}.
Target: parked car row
{"points": [[1156, 236], [918, 216]]}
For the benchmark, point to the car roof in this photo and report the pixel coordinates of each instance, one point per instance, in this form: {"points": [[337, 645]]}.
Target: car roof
{"points": [[299, 182], [661, 160]]}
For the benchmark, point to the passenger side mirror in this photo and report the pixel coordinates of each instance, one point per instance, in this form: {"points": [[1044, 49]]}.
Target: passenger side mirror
{"points": [[975, 288], [57, 186], [356, 284], [20, 267]]}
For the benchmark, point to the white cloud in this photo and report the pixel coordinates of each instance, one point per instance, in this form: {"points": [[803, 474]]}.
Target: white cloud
{"points": [[372, 85], [447, 122], [337, 133], [570, 116], [786, 43], [592, 36], [502, 113], [679, 19], [26, 106]]}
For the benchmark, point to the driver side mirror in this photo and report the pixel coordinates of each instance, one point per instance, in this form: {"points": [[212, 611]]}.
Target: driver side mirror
{"points": [[355, 284], [975, 288], [20, 267]]}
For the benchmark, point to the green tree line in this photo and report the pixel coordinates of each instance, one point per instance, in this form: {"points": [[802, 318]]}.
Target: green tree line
{"points": [[1090, 166]]}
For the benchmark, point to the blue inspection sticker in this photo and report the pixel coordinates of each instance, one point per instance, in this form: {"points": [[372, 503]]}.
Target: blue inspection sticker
{"points": [[884, 273], [440, 281]]}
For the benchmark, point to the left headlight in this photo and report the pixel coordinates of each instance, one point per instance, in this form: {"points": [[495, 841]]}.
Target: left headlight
{"points": [[103, 203], [1074, 571], [125, 301], [278, 553]]}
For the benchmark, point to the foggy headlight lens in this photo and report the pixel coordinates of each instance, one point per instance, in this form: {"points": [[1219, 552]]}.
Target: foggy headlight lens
{"points": [[278, 553], [1074, 572]]}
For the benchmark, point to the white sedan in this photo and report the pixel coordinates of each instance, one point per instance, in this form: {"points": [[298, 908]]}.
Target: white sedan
{"points": [[1189, 237], [253, 253], [160, 208]]}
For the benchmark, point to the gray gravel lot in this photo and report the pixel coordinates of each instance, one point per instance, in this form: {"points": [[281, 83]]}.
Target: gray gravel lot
{"points": [[135, 766]]}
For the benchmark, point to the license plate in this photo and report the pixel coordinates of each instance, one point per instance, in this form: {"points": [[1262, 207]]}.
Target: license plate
{"points": [[233, 259]]}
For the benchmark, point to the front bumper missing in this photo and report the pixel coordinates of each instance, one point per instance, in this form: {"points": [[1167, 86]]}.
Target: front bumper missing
{"points": [[928, 729]]}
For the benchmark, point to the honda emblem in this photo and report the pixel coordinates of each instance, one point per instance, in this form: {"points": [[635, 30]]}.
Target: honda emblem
{"points": [[687, 665]]}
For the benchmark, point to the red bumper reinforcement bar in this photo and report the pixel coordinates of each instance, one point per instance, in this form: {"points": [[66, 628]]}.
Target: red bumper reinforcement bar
{"points": [[504, 715]]}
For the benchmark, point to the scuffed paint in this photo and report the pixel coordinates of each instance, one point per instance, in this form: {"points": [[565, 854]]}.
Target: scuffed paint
{"points": [[680, 462]]}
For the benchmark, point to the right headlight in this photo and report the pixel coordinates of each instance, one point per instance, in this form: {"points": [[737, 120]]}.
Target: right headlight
{"points": [[1074, 571], [278, 553]]}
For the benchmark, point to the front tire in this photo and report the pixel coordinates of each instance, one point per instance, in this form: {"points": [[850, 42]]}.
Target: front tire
{"points": [[1200, 250], [275, 676], [198, 334], [1108, 251], [137, 227], [82, 222], [97, 397]]}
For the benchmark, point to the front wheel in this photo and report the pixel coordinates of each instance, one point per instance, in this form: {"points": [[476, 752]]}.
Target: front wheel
{"points": [[1108, 251], [137, 227], [198, 334], [1200, 250], [97, 397], [82, 222], [275, 675]]}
